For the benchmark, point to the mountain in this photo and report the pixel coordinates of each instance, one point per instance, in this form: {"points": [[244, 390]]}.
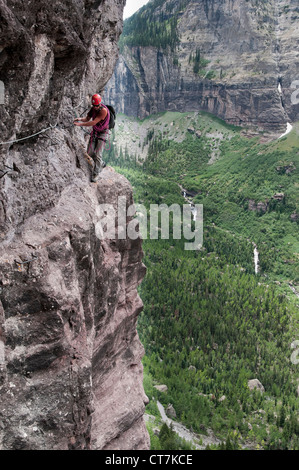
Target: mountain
{"points": [[70, 355], [237, 59]]}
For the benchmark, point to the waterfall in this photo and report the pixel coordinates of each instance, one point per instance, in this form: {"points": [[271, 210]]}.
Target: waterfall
{"points": [[256, 259], [192, 207], [289, 128]]}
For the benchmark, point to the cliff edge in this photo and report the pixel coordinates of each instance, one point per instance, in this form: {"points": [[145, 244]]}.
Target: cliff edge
{"points": [[70, 356]]}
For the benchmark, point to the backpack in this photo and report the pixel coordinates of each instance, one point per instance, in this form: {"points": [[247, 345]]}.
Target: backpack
{"points": [[112, 116]]}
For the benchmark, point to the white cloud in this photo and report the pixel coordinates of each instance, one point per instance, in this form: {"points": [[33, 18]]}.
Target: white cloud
{"points": [[132, 6]]}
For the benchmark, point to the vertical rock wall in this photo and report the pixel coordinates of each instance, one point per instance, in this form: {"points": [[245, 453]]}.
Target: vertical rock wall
{"points": [[249, 63], [70, 356]]}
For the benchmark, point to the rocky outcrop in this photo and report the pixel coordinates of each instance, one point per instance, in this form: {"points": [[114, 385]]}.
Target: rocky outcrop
{"points": [[195, 132], [70, 356], [261, 207], [170, 411], [255, 384], [71, 359], [286, 169], [248, 75], [161, 388]]}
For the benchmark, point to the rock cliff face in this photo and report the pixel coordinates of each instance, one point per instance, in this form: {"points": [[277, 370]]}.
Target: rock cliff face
{"points": [[70, 356], [237, 59]]}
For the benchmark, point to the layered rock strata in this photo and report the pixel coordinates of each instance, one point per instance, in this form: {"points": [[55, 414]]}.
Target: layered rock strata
{"points": [[71, 373], [70, 356], [248, 74]]}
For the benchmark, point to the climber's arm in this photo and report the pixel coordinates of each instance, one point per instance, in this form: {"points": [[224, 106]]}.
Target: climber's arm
{"points": [[100, 117]]}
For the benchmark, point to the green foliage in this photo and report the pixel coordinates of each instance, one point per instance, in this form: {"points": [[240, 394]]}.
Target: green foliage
{"points": [[225, 324], [169, 440], [249, 172], [199, 64], [169, 158], [210, 74], [148, 28], [210, 323]]}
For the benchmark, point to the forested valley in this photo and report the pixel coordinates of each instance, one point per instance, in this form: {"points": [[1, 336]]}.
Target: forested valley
{"points": [[211, 321]]}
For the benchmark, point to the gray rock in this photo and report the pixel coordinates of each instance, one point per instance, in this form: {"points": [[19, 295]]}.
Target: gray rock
{"points": [[278, 196], [170, 411], [70, 356], [256, 384], [161, 388], [259, 207], [262, 207], [251, 205], [237, 40], [287, 169]]}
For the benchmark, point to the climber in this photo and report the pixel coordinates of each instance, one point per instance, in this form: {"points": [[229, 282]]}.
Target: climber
{"points": [[98, 117]]}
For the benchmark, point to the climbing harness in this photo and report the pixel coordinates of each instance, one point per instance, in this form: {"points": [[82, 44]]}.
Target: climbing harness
{"points": [[94, 136]]}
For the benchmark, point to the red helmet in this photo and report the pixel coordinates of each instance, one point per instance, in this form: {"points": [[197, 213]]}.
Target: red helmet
{"points": [[96, 99]]}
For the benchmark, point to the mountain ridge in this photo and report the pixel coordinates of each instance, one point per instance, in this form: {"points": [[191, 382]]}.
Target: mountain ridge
{"points": [[237, 60]]}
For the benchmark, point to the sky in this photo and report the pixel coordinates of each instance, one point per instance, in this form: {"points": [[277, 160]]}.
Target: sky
{"points": [[132, 6]]}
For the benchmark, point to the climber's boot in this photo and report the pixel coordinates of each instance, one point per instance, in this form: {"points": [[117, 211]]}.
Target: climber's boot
{"points": [[96, 171]]}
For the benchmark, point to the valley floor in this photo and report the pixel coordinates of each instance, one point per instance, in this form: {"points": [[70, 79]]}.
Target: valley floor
{"points": [[215, 319]]}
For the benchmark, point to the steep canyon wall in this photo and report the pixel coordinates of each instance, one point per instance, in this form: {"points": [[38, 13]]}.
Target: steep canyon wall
{"points": [[249, 63], [70, 356]]}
